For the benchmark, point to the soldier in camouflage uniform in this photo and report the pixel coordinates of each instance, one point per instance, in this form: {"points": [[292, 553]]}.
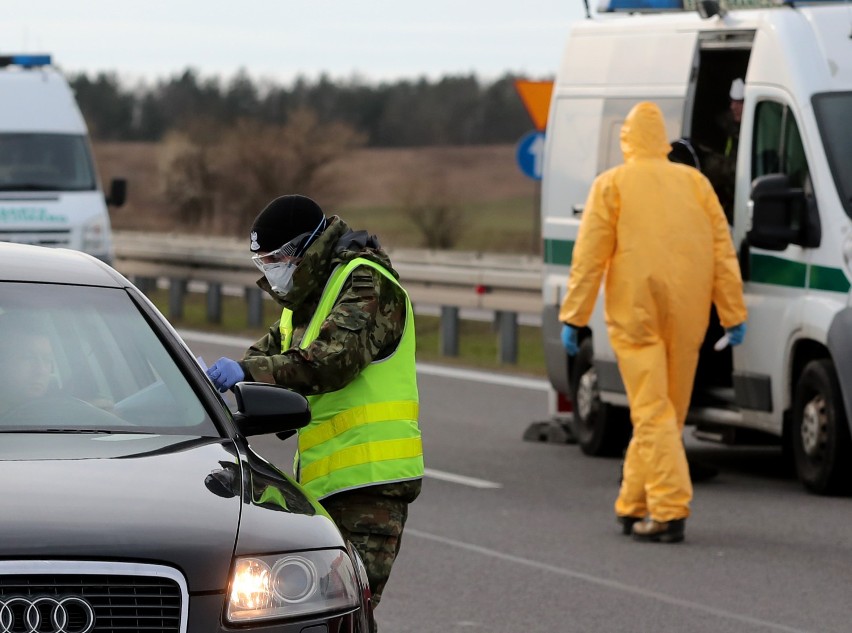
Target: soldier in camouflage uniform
{"points": [[365, 324]]}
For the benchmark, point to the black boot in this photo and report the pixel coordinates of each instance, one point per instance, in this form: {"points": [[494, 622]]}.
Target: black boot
{"points": [[627, 523], [653, 531]]}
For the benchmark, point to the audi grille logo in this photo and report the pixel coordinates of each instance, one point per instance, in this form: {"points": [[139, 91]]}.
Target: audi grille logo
{"points": [[45, 614]]}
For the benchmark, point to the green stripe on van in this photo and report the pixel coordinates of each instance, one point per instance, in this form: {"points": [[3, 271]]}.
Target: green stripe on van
{"points": [[766, 269], [558, 252], [825, 278]]}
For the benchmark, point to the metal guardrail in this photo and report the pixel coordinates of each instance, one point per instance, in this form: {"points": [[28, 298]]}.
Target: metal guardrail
{"points": [[505, 285]]}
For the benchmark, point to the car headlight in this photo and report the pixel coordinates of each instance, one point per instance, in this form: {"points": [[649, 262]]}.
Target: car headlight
{"points": [[290, 585]]}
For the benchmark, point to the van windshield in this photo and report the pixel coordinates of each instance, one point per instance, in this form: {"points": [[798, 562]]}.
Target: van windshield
{"points": [[832, 115], [45, 162]]}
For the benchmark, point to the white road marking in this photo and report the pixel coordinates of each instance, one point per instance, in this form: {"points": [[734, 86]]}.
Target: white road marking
{"points": [[502, 380], [461, 479], [216, 339], [603, 582]]}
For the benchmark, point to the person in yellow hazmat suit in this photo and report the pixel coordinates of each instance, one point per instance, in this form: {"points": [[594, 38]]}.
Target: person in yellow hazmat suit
{"points": [[656, 230]]}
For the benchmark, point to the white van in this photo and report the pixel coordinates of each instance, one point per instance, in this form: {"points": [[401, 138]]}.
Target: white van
{"points": [[50, 194], [791, 381]]}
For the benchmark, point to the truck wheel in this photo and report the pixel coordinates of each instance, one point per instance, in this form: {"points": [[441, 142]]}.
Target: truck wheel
{"points": [[601, 429], [820, 430]]}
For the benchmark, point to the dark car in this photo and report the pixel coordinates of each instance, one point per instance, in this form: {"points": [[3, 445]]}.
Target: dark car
{"points": [[131, 499]]}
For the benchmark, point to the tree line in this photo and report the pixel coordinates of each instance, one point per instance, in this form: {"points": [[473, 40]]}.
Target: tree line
{"points": [[453, 110]]}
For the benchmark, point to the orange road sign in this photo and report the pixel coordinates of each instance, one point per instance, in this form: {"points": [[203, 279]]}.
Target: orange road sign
{"points": [[536, 98]]}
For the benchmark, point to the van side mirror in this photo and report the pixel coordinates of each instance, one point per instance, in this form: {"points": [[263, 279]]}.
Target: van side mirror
{"points": [[782, 214], [265, 409], [117, 192]]}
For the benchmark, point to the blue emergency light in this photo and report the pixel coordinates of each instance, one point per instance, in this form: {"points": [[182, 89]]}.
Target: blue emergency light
{"points": [[639, 6], [27, 61], [652, 6]]}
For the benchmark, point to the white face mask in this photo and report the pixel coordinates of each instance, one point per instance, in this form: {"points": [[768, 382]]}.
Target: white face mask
{"points": [[280, 276]]}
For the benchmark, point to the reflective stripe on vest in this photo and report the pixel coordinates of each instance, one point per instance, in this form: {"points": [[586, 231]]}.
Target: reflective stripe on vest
{"points": [[285, 328], [365, 433]]}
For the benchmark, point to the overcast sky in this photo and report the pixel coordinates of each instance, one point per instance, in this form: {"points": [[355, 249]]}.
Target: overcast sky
{"points": [[282, 39]]}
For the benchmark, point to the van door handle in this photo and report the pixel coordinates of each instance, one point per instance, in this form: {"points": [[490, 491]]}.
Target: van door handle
{"points": [[577, 209]]}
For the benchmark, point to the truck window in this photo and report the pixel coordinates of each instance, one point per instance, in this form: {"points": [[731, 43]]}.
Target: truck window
{"points": [[45, 162], [832, 116], [778, 147]]}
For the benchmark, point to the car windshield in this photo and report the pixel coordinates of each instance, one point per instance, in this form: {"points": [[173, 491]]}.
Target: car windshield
{"points": [[45, 162], [832, 115], [85, 359]]}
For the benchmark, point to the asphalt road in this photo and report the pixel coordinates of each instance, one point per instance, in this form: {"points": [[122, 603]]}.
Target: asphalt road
{"points": [[511, 536]]}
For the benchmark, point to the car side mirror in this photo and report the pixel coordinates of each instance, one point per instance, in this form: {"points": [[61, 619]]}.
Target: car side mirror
{"points": [[264, 409], [782, 214], [117, 192]]}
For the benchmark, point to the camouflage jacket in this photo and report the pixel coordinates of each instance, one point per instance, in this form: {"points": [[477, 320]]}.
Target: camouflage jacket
{"points": [[365, 324]]}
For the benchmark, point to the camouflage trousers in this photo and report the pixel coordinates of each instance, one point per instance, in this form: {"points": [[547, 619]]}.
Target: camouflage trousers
{"points": [[373, 519]]}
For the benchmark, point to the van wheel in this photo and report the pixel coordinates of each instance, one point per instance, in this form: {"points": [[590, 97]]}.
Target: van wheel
{"points": [[820, 430], [601, 429]]}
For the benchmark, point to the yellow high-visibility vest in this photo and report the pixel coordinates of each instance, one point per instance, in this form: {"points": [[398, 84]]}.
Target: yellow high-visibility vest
{"points": [[365, 433]]}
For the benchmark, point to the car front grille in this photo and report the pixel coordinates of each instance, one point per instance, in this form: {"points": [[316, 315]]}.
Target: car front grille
{"points": [[30, 603]]}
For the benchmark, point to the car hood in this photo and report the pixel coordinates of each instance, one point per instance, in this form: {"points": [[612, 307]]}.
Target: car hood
{"points": [[174, 500]]}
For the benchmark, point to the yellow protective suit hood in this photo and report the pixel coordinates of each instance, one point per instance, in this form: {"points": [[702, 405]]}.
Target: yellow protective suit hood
{"points": [[656, 230], [643, 134]]}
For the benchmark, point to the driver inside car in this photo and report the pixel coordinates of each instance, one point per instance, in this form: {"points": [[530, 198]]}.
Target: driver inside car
{"points": [[29, 359]]}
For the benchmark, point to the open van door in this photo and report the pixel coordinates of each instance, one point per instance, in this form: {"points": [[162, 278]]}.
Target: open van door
{"points": [[722, 57]]}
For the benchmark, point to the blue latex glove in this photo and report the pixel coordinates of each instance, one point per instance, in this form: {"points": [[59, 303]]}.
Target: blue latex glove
{"points": [[569, 339], [736, 334], [225, 373]]}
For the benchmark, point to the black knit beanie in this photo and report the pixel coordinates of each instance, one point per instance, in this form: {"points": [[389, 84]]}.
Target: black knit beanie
{"points": [[283, 219]]}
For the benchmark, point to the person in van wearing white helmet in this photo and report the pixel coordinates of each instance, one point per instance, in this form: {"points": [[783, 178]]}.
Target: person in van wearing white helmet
{"points": [[737, 97], [721, 165]]}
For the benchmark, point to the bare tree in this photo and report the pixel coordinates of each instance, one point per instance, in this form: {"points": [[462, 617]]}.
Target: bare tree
{"points": [[232, 173], [188, 180], [265, 161], [432, 206]]}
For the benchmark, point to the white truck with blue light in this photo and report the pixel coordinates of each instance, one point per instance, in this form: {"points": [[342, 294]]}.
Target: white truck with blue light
{"points": [[791, 380], [50, 194]]}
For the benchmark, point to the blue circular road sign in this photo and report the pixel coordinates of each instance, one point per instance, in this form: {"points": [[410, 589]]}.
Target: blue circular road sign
{"points": [[530, 154]]}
